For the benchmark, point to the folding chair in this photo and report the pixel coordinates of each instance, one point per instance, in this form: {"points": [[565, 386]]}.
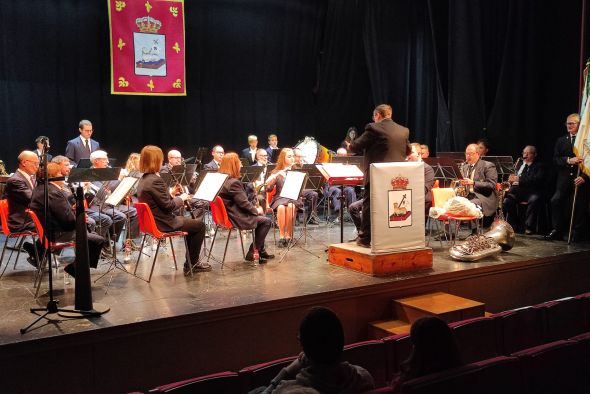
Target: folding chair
{"points": [[147, 225], [221, 220], [20, 236]]}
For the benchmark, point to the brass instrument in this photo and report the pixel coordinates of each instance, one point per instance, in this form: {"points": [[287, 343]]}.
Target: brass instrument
{"points": [[505, 185], [460, 190]]}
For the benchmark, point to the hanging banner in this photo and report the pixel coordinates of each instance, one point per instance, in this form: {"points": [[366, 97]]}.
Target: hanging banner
{"points": [[147, 47]]}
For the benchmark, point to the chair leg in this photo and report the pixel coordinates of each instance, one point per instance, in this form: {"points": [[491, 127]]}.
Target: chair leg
{"points": [[213, 243], [139, 254], [154, 262], [19, 245], [242, 242], [226, 244], [173, 254], [189, 255], [2, 257]]}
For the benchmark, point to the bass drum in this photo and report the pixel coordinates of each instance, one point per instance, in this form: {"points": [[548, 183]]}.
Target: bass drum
{"points": [[312, 151]]}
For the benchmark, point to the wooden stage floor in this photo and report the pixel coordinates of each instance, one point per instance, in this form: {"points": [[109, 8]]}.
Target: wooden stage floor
{"points": [[232, 317]]}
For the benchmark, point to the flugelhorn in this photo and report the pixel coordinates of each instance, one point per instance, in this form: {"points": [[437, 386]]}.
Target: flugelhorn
{"points": [[460, 190]]}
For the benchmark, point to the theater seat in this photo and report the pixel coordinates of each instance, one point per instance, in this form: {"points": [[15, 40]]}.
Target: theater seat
{"points": [[397, 350], [261, 374], [553, 368], [476, 338], [223, 382], [369, 355], [518, 329], [565, 318]]}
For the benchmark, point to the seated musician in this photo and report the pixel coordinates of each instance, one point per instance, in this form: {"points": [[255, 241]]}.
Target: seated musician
{"points": [[197, 206], [254, 189], [479, 178], [153, 191], [18, 193], [310, 197], [241, 212], [62, 224], [285, 208], [526, 186], [217, 152], [249, 153], [334, 192], [120, 213]]}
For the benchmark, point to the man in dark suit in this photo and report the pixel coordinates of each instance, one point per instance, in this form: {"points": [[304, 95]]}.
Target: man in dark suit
{"points": [[62, 221], [567, 180], [273, 149], [250, 152], [479, 178], [526, 186], [81, 147], [383, 141], [18, 192], [217, 152]]}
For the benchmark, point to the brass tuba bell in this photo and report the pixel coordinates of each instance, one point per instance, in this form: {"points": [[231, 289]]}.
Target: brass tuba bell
{"points": [[503, 233]]}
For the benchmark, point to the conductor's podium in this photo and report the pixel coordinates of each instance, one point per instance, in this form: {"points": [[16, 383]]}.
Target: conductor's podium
{"points": [[350, 255]]}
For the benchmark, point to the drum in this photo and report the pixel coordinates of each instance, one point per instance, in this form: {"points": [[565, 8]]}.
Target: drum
{"points": [[312, 151]]}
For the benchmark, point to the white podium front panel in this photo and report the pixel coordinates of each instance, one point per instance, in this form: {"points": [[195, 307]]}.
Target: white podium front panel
{"points": [[397, 206]]}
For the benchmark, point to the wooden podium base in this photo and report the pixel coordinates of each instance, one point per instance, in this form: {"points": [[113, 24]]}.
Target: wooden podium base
{"points": [[350, 255]]}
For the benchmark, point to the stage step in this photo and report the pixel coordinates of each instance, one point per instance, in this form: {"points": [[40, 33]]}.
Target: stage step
{"points": [[448, 307]]}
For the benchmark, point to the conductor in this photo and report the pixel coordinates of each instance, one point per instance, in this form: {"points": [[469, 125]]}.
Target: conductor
{"points": [[383, 141]]}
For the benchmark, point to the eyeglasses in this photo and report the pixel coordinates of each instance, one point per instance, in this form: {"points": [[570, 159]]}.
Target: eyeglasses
{"points": [[571, 123], [35, 162], [176, 157]]}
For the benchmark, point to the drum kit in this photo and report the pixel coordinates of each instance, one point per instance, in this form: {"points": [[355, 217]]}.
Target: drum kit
{"points": [[313, 152]]}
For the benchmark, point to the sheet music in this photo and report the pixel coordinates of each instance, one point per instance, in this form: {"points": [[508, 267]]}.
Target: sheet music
{"points": [[337, 170], [210, 186], [121, 191], [293, 185]]}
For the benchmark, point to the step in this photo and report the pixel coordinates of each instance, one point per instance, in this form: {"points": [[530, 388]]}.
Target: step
{"points": [[448, 307], [385, 328]]}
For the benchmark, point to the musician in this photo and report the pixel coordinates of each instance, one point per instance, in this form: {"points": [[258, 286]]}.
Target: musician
{"points": [[424, 151], [567, 179], [483, 147], [273, 149], [81, 147], [416, 155], [118, 214], [526, 186], [153, 191], [480, 177], [62, 220], [132, 165], [261, 158], [174, 159], [334, 192], [18, 192], [250, 152], [39, 142], [241, 212], [351, 134], [197, 206], [285, 208], [310, 197], [382, 141], [217, 152]]}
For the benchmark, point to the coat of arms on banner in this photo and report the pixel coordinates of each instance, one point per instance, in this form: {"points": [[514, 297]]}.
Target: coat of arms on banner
{"points": [[400, 203], [147, 47]]}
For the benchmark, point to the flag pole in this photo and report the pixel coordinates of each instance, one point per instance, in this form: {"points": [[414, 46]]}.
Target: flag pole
{"points": [[569, 235]]}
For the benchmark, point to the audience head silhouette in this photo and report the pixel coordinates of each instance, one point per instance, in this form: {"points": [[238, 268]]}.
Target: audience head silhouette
{"points": [[434, 348], [321, 336]]}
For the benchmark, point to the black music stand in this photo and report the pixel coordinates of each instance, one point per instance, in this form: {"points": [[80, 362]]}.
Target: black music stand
{"points": [[356, 160], [251, 173], [314, 182], [446, 169], [504, 166]]}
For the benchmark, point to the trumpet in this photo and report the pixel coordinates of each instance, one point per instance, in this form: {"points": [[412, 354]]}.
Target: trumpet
{"points": [[506, 185]]}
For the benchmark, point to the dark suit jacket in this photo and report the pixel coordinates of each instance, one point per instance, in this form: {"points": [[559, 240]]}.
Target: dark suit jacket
{"points": [[212, 165], [241, 212], [152, 190], [385, 141], [485, 177], [534, 178], [61, 215], [75, 149], [562, 151], [428, 183], [18, 192], [246, 155]]}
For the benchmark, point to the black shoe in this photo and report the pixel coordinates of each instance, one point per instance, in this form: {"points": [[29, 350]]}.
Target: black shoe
{"points": [[199, 267], [553, 235], [282, 243], [30, 249], [70, 269], [363, 243], [266, 256]]}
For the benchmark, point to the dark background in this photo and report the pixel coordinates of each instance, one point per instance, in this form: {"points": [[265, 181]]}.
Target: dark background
{"points": [[453, 70]]}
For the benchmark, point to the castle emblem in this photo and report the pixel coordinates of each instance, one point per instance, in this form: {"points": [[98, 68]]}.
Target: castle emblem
{"points": [[400, 203], [149, 48]]}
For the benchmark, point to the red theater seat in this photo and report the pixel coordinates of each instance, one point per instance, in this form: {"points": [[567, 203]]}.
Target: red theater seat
{"points": [[223, 382], [261, 374], [476, 338], [564, 318], [518, 329], [397, 350], [369, 355]]}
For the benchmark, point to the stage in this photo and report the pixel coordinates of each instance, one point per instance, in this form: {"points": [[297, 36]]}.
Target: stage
{"points": [[178, 327]]}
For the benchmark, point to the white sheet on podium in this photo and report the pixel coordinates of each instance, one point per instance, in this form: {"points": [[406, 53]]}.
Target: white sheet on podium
{"points": [[397, 215]]}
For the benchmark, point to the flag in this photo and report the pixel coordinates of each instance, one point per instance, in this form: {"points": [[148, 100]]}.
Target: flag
{"points": [[582, 143], [147, 47]]}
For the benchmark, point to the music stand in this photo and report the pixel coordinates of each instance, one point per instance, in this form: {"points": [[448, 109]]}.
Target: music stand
{"points": [[274, 155], [183, 173], [201, 152], [122, 190], [504, 166], [341, 175], [446, 169], [356, 160], [251, 173], [452, 155]]}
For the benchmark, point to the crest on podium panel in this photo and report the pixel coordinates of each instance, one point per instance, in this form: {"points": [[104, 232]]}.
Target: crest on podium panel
{"points": [[400, 203], [147, 47]]}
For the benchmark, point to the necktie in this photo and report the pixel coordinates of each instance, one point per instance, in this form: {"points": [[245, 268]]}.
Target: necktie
{"points": [[87, 145], [525, 169], [470, 172], [33, 182]]}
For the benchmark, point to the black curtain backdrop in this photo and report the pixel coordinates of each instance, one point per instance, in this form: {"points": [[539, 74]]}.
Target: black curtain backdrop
{"points": [[453, 70]]}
